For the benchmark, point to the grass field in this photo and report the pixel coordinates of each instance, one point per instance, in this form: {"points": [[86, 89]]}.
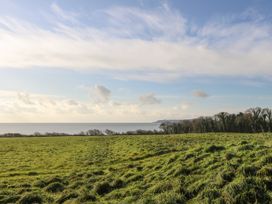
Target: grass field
{"points": [[193, 168]]}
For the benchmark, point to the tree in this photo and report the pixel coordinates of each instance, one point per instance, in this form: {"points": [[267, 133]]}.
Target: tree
{"points": [[222, 116], [252, 120], [255, 116]]}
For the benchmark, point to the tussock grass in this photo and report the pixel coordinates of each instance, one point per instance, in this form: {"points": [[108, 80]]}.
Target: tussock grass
{"points": [[189, 168]]}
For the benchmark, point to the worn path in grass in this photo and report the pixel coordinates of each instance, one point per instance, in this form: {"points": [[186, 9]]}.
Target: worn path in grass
{"points": [[189, 168]]}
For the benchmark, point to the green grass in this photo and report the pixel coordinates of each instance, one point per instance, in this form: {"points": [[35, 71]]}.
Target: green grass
{"points": [[192, 168]]}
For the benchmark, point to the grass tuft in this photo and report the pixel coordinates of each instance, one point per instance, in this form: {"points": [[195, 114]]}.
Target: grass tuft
{"points": [[214, 148], [55, 187], [31, 198], [102, 188]]}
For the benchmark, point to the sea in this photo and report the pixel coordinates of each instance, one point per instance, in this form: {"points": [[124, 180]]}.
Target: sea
{"points": [[72, 128]]}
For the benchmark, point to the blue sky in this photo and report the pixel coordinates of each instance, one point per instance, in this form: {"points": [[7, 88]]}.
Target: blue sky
{"points": [[128, 61]]}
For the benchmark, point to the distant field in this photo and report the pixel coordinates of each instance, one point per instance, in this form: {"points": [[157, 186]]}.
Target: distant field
{"points": [[193, 168]]}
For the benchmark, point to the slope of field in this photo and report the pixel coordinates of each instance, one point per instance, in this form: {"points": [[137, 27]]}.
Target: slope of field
{"points": [[193, 168]]}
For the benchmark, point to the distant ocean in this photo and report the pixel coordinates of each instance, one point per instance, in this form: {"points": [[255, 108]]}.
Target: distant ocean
{"points": [[73, 128]]}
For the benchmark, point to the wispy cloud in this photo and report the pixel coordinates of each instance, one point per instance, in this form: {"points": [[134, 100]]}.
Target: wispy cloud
{"points": [[133, 41], [64, 15], [162, 23]]}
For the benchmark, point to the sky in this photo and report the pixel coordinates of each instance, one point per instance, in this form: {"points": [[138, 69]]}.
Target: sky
{"points": [[133, 61]]}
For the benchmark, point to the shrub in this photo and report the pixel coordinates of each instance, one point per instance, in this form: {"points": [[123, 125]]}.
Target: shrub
{"points": [[55, 187]]}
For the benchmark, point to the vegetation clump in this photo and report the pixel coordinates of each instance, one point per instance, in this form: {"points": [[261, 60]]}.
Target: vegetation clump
{"points": [[102, 188], [55, 187], [214, 148], [248, 190], [67, 196], [189, 168], [31, 198], [249, 170]]}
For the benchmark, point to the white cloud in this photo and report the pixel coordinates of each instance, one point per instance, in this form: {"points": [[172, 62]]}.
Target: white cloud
{"points": [[149, 99], [24, 97], [31, 107], [153, 42], [162, 23]]}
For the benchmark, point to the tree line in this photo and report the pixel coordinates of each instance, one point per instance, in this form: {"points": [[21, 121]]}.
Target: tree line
{"points": [[253, 120]]}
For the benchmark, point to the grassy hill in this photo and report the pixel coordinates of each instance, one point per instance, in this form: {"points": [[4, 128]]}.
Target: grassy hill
{"points": [[193, 168]]}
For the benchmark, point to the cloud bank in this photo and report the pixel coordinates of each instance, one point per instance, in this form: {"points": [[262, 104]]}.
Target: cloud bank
{"points": [[31, 107]]}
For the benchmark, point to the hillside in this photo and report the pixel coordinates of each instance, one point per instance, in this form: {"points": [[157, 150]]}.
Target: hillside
{"points": [[189, 168]]}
